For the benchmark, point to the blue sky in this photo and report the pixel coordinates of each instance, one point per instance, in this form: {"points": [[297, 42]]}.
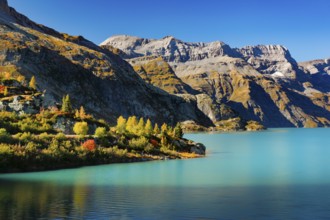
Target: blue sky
{"points": [[303, 26]]}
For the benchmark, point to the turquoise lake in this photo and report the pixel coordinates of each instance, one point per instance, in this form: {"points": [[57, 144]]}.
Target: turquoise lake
{"points": [[274, 174]]}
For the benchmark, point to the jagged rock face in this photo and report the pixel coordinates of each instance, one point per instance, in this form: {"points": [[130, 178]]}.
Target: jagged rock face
{"points": [[170, 48], [267, 59], [270, 59], [95, 78], [316, 66], [263, 99], [262, 83]]}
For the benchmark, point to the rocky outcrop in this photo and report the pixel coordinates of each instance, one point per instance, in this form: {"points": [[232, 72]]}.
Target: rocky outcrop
{"points": [[22, 104], [190, 146], [275, 60], [198, 148], [316, 66]]}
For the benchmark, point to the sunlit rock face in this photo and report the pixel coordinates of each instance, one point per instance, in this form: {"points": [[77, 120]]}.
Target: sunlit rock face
{"points": [[262, 83], [96, 78]]}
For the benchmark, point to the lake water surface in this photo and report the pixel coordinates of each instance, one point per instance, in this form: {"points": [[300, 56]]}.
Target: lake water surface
{"points": [[274, 174]]}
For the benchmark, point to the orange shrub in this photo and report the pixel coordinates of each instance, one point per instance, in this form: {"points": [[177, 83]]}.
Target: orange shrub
{"points": [[154, 142], [89, 145]]}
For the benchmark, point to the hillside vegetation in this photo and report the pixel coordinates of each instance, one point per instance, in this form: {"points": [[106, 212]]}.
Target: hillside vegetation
{"points": [[61, 136]]}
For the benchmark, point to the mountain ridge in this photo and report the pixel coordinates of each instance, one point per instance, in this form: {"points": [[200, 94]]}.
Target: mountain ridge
{"points": [[94, 77], [255, 81]]}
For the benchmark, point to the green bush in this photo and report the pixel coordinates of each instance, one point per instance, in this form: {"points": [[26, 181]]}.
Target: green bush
{"points": [[101, 132], [80, 128], [139, 143]]}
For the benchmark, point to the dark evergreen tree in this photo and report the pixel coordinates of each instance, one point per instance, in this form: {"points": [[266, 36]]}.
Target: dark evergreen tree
{"points": [[66, 104], [177, 132]]}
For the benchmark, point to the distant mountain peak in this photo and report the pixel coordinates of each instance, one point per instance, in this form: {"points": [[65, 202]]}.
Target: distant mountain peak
{"points": [[170, 48], [168, 36]]}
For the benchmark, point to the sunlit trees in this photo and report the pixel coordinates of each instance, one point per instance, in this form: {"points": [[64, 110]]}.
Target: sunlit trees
{"points": [[163, 128], [145, 128], [121, 125], [82, 113], [80, 128], [33, 83], [101, 132], [131, 124], [21, 79], [5, 91], [77, 114], [156, 129], [66, 104], [89, 145], [148, 128], [140, 127], [177, 132]]}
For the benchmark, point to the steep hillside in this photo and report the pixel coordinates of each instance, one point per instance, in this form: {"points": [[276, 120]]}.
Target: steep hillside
{"points": [[94, 77], [262, 83], [159, 73]]}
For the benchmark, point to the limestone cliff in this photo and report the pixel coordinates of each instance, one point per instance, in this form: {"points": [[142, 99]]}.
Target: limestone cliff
{"points": [[270, 59], [170, 48]]}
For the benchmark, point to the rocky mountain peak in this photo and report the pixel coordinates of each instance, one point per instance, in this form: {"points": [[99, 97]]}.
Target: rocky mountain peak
{"points": [[128, 44], [168, 37], [270, 59], [170, 48], [276, 51]]}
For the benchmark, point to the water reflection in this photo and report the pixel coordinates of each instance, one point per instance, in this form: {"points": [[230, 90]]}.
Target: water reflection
{"points": [[42, 200], [268, 175]]}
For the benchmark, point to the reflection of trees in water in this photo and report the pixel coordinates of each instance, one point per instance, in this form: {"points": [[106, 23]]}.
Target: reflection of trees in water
{"points": [[31, 200]]}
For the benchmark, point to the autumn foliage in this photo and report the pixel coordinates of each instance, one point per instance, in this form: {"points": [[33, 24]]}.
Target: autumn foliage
{"points": [[154, 142], [89, 145]]}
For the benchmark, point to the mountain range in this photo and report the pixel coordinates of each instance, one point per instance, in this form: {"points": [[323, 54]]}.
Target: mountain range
{"points": [[166, 80], [262, 83]]}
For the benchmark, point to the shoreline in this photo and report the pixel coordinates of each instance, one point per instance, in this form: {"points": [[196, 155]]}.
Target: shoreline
{"points": [[129, 159]]}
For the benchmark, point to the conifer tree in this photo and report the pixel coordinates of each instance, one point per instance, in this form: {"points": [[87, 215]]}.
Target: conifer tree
{"points": [[177, 132], [164, 128], [156, 129], [121, 125], [66, 104], [169, 130], [32, 83], [82, 112], [77, 114], [148, 128], [131, 124], [140, 127]]}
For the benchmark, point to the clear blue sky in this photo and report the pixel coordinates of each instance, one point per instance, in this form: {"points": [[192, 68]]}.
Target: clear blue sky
{"points": [[303, 26]]}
